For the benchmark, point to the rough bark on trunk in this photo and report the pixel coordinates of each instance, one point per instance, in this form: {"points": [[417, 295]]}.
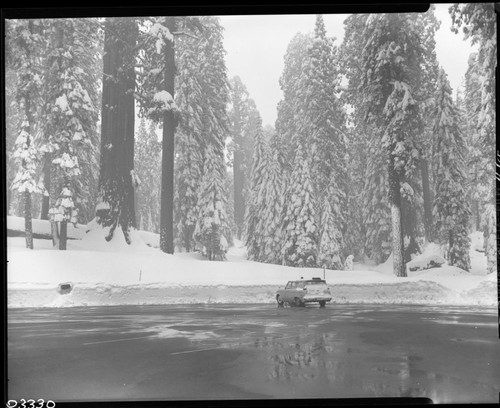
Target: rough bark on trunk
{"points": [[167, 165], [399, 266], [28, 227], [397, 241], [63, 234], [116, 187], [426, 192]]}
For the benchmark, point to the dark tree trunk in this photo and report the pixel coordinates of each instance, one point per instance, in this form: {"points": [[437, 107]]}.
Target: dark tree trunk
{"points": [[426, 192], [117, 127], [399, 266], [63, 235], [44, 214], [167, 165], [28, 227]]}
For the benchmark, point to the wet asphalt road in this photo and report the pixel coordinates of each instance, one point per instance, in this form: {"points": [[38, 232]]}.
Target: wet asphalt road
{"points": [[253, 351]]}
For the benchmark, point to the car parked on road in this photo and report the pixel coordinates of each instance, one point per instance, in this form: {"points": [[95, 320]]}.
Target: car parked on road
{"points": [[300, 292]]}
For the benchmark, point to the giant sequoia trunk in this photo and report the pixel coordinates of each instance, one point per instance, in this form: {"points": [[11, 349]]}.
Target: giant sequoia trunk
{"points": [[116, 182], [167, 164], [399, 266]]}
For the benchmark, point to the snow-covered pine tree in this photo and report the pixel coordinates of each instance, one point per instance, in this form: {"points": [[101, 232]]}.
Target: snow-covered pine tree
{"points": [[430, 68], [11, 132], [478, 22], [478, 180], [273, 189], [330, 238], [25, 156], [288, 108], [391, 65], [254, 225], [323, 119], [300, 230], [369, 212], [212, 220], [23, 53], [376, 212], [188, 172], [357, 157], [451, 210], [212, 228], [189, 143], [238, 116], [70, 120], [251, 127]]}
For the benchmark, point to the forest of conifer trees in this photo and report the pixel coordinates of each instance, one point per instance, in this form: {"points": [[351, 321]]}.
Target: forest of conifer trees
{"points": [[134, 123]]}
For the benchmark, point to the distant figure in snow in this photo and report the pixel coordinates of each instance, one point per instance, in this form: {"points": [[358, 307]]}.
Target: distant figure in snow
{"points": [[348, 263]]}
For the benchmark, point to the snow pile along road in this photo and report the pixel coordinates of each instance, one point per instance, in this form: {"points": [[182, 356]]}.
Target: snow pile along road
{"points": [[114, 273]]}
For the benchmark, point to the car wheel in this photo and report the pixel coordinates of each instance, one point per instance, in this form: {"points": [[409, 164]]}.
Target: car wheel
{"points": [[298, 302], [280, 302], [322, 303]]}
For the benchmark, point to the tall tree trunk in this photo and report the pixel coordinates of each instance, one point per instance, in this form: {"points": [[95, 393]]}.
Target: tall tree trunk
{"points": [[63, 234], [116, 187], [167, 165], [28, 227], [399, 267], [44, 215], [426, 190]]}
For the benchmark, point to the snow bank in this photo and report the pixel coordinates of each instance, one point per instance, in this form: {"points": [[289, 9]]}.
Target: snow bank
{"points": [[477, 241], [41, 228], [430, 258], [115, 273]]}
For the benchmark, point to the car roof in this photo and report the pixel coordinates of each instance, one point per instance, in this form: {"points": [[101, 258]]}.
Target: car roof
{"points": [[308, 280]]}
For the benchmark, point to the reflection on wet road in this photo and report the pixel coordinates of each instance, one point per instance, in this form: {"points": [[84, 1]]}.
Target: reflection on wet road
{"points": [[241, 351]]}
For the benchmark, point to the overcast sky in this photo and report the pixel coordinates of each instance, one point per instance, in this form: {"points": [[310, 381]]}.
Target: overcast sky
{"points": [[256, 46]]}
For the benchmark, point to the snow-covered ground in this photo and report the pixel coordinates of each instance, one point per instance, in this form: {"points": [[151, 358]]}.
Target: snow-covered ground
{"points": [[115, 273]]}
